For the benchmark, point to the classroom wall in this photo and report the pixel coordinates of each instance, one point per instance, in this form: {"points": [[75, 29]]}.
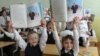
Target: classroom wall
{"points": [[94, 5], [7, 3]]}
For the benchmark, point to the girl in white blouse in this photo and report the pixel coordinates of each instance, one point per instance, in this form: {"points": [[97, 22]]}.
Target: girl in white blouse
{"points": [[35, 45], [7, 34], [33, 41], [69, 46]]}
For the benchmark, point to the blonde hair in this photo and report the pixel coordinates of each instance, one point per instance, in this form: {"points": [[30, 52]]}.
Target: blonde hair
{"points": [[32, 32]]}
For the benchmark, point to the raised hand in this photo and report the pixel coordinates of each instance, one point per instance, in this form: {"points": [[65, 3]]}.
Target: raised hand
{"points": [[1, 29], [76, 22], [53, 23]]}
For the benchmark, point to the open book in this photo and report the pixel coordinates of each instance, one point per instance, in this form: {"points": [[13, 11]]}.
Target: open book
{"points": [[25, 16]]}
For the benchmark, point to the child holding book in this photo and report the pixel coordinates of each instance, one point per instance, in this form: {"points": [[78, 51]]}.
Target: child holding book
{"points": [[69, 46], [35, 44]]}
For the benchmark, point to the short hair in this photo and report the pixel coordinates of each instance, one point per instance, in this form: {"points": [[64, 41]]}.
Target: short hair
{"points": [[48, 23], [31, 32], [91, 18], [67, 37]]}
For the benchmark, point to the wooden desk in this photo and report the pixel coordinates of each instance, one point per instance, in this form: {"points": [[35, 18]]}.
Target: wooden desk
{"points": [[93, 41], [4, 44], [90, 51], [51, 50]]}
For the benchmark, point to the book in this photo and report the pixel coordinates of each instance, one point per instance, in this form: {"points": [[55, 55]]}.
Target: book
{"points": [[24, 16], [59, 10]]}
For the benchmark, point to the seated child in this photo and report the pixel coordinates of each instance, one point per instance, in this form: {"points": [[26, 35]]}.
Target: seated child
{"points": [[35, 45], [50, 33], [83, 29], [69, 46], [49, 27], [7, 34], [91, 31]]}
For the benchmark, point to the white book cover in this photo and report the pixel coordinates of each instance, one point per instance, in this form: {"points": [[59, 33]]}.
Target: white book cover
{"points": [[19, 15], [24, 16], [59, 9]]}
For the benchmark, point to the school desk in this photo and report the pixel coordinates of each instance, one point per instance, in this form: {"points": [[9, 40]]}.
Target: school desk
{"points": [[93, 41], [90, 51], [4, 44], [51, 50]]}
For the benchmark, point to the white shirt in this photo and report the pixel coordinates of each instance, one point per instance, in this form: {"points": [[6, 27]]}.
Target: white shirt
{"points": [[76, 41], [83, 29], [9, 34], [22, 44]]}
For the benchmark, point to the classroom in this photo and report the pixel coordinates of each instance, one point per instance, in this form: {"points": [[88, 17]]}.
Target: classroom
{"points": [[49, 28]]}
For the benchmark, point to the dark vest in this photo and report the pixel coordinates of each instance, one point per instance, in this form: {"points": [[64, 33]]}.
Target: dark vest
{"points": [[91, 33], [70, 53], [9, 49], [6, 38], [50, 38], [33, 50]]}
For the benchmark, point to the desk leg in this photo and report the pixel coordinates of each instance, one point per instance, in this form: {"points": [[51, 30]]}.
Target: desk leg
{"points": [[1, 51]]}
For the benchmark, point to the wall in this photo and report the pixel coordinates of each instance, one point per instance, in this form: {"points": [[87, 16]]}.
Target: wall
{"points": [[7, 3]]}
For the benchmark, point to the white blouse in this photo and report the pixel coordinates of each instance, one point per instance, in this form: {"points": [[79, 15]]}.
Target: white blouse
{"points": [[76, 41], [22, 44]]}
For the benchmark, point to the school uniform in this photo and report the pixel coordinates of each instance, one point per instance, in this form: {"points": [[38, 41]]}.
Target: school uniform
{"points": [[7, 36], [83, 29], [50, 38], [92, 33], [32, 50], [66, 53], [1, 36], [60, 47]]}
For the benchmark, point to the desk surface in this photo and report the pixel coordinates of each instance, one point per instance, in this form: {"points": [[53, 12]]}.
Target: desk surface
{"points": [[52, 50], [4, 44], [93, 39]]}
